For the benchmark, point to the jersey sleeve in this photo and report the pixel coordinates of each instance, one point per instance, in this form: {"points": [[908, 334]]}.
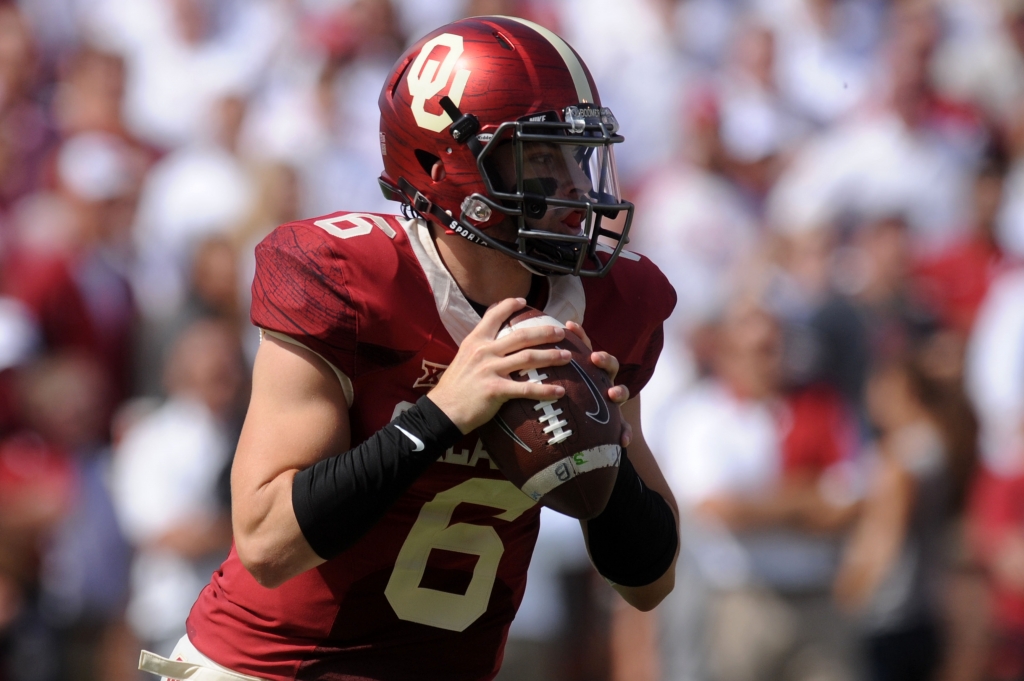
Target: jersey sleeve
{"points": [[643, 301], [300, 291]]}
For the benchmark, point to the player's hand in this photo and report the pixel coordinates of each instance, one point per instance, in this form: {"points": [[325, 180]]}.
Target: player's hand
{"points": [[618, 394], [477, 382]]}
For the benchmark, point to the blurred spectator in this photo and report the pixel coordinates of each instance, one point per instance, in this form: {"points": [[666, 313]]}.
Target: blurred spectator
{"points": [[825, 336], [757, 124], [761, 473], [895, 564], [25, 124], [99, 176], [825, 52], [183, 56], [344, 169], [697, 227], [214, 288], [36, 480], [878, 262], [1011, 218], [170, 482], [90, 94], [904, 155], [982, 59], [955, 281], [997, 516], [44, 285], [198, 191], [85, 563]]}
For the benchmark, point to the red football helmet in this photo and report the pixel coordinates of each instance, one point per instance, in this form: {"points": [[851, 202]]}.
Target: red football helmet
{"points": [[513, 116]]}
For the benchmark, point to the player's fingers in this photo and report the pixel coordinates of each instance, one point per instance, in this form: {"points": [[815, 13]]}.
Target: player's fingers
{"points": [[578, 330], [524, 360], [495, 316], [528, 337], [529, 390], [605, 361], [627, 433], [619, 394]]}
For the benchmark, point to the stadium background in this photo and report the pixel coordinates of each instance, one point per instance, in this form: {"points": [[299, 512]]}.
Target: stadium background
{"points": [[835, 188]]}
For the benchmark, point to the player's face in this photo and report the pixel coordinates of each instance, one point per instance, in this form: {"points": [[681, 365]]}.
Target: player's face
{"points": [[553, 171]]}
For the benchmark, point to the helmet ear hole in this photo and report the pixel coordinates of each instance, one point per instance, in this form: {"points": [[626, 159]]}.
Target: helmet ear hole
{"points": [[427, 160]]}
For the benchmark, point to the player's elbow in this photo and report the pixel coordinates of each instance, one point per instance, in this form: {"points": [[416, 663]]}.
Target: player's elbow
{"points": [[656, 592], [263, 562]]}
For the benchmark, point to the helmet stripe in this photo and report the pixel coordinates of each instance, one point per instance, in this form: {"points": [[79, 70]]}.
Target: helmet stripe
{"points": [[572, 62]]}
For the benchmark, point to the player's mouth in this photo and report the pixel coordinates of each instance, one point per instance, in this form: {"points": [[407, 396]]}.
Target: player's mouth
{"points": [[573, 221]]}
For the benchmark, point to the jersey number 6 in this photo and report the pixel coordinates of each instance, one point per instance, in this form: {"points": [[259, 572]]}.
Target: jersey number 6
{"points": [[454, 612]]}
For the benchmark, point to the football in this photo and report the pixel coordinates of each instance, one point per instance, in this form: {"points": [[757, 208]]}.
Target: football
{"points": [[562, 453]]}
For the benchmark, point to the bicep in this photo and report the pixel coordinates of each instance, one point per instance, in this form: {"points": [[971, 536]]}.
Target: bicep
{"points": [[297, 416]]}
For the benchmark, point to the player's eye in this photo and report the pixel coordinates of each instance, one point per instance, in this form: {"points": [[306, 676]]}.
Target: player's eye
{"points": [[545, 160]]}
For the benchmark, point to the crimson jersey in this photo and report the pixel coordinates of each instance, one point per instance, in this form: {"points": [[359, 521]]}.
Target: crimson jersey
{"points": [[429, 592]]}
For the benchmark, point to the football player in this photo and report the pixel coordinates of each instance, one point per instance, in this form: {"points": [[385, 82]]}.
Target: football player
{"points": [[373, 536]]}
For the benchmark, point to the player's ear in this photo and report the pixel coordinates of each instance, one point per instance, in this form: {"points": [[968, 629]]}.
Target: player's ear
{"points": [[437, 171]]}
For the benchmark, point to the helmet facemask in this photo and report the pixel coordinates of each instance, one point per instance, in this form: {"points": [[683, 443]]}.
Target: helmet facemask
{"points": [[555, 178]]}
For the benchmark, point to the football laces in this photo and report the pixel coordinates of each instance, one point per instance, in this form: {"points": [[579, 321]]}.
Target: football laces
{"points": [[555, 427]]}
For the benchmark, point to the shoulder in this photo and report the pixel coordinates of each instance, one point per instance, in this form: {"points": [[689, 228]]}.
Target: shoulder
{"points": [[325, 264], [342, 236], [333, 282], [634, 286], [624, 314]]}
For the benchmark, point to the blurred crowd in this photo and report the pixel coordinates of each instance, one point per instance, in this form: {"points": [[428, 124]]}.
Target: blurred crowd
{"points": [[834, 187]]}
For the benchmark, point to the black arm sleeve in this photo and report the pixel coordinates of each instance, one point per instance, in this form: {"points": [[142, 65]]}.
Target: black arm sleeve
{"points": [[633, 541], [337, 500]]}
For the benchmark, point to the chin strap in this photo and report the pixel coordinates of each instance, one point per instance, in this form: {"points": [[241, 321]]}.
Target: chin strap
{"points": [[425, 207]]}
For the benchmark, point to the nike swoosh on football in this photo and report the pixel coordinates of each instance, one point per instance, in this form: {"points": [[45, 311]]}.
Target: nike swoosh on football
{"points": [[415, 440], [511, 433], [601, 415]]}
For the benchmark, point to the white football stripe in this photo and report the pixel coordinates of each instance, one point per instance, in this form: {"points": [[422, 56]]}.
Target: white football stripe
{"points": [[572, 62], [568, 468]]}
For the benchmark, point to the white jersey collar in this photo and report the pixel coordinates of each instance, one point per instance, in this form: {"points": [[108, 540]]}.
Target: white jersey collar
{"points": [[566, 298]]}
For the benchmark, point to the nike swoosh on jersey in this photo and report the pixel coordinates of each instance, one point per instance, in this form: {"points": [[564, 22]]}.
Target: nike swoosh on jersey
{"points": [[601, 415], [415, 440]]}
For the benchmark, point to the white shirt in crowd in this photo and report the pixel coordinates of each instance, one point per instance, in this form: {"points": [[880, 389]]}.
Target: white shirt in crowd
{"points": [[723, 446], [994, 374], [166, 472]]}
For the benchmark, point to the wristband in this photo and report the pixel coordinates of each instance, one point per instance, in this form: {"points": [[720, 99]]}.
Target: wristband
{"points": [[633, 542], [337, 500]]}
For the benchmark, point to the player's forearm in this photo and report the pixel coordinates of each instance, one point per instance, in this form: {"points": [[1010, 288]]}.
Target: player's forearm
{"points": [[268, 539], [634, 543]]}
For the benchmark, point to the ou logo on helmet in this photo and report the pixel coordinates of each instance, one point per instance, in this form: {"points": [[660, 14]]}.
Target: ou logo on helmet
{"points": [[427, 78]]}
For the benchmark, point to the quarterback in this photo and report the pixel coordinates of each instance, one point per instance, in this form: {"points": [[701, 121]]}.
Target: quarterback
{"points": [[374, 538]]}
